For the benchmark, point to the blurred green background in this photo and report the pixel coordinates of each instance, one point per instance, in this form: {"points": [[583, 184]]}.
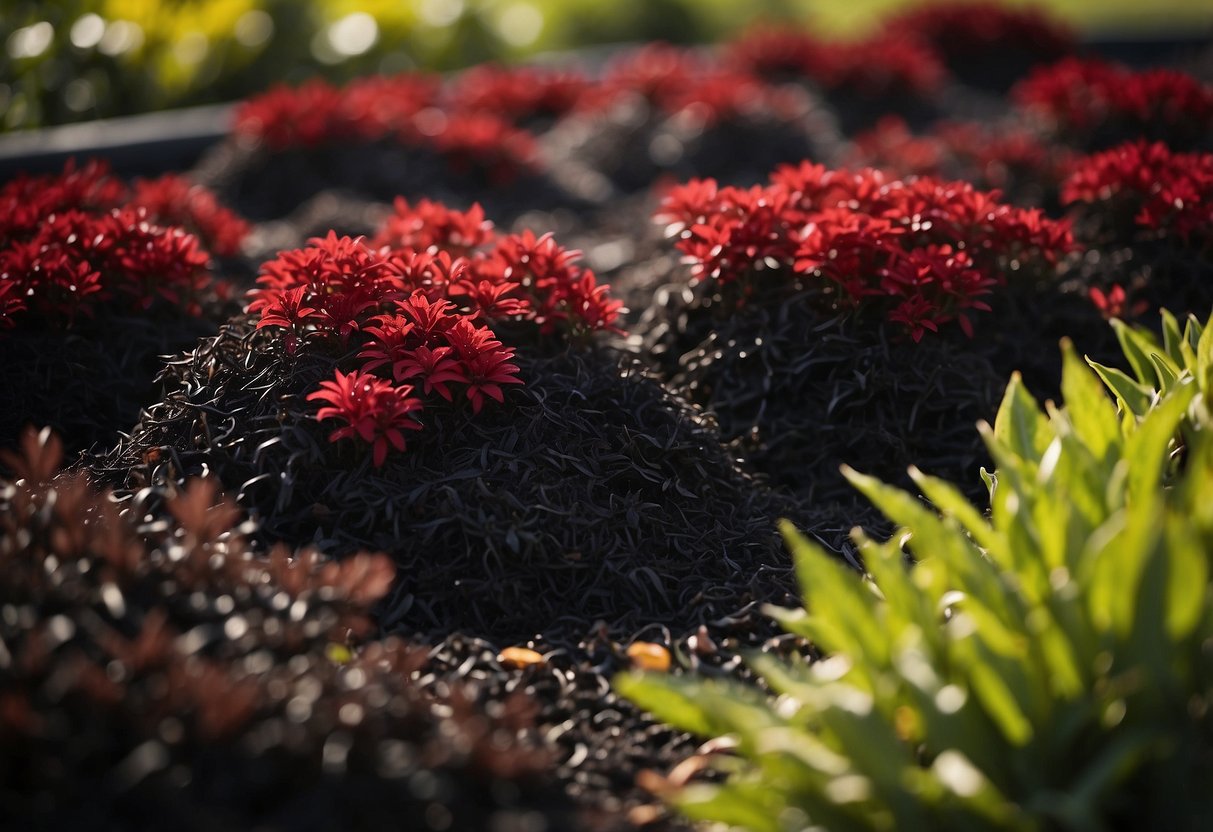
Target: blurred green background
{"points": [[70, 60]]}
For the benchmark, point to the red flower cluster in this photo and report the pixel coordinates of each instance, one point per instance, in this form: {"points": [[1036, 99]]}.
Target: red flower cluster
{"points": [[1081, 95], [677, 81], [884, 64], [371, 408], [174, 200], [925, 250], [988, 156], [73, 240], [1166, 192], [519, 93], [409, 109], [420, 303], [960, 29]]}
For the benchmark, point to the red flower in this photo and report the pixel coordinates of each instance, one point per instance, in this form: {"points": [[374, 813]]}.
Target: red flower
{"points": [[493, 300], [961, 29], [1078, 96], [428, 226], [437, 367], [10, 299], [173, 200], [519, 93], [485, 361], [1170, 193], [925, 248], [430, 318], [372, 410], [282, 117]]}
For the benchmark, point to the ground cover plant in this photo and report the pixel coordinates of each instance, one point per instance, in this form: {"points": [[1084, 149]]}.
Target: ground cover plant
{"points": [[1043, 667], [452, 333], [439, 393], [838, 300], [162, 672], [99, 278]]}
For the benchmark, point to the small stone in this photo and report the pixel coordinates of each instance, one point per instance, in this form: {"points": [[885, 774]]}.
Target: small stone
{"points": [[519, 657], [648, 656]]}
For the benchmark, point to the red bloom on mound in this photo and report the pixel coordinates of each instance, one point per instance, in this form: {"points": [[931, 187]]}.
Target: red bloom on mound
{"points": [[341, 280], [426, 226], [519, 93], [424, 315], [990, 156], [26, 201], [482, 141], [282, 117], [173, 200], [382, 107], [1082, 95], [372, 410], [924, 249], [1170, 193], [883, 64], [72, 240], [560, 290], [485, 361], [959, 29]]}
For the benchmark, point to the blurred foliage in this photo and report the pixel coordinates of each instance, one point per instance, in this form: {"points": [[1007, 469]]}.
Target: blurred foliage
{"points": [[1046, 667], [69, 60]]}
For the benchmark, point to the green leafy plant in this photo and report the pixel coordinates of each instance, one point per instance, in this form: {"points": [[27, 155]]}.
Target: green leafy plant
{"points": [[1048, 665]]}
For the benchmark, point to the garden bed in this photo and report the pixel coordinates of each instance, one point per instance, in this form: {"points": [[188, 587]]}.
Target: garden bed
{"points": [[567, 480]]}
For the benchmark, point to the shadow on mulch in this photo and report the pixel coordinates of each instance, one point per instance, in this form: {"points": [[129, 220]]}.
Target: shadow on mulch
{"points": [[592, 494], [89, 382], [799, 391]]}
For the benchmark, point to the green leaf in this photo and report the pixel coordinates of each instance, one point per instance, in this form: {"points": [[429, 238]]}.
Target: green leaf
{"points": [[952, 503], [678, 701], [1148, 449], [1187, 568], [741, 806], [1088, 407], [834, 593], [1020, 425], [1204, 361], [1134, 398], [1166, 371], [1137, 345], [1172, 338]]}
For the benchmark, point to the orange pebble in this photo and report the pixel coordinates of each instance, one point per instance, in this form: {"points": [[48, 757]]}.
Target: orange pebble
{"points": [[648, 656], [519, 657]]}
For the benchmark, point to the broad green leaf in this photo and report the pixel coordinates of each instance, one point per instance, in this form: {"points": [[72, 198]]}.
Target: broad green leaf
{"points": [[967, 570], [1166, 371], [1172, 338], [835, 593], [1134, 398], [1204, 361], [677, 701], [1191, 342], [1088, 407], [952, 503], [1137, 346], [1000, 702], [1020, 424], [739, 806], [1187, 575], [1147, 450]]}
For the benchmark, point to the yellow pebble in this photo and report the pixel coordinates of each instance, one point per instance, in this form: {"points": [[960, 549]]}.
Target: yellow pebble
{"points": [[648, 656]]}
